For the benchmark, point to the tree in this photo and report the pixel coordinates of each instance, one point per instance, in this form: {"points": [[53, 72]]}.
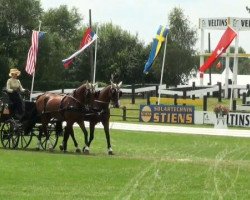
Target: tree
{"points": [[243, 63], [180, 52], [119, 53], [17, 19], [61, 40]]}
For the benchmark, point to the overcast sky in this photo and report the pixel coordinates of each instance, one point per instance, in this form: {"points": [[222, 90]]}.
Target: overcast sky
{"points": [[145, 16]]}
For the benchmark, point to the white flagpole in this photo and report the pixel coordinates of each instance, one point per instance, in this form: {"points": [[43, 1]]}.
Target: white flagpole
{"points": [[33, 76], [162, 70], [95, 55], [235, 70]]}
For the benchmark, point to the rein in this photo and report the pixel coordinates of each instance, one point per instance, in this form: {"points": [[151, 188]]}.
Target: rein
{"points": [[104, 102], [72, 96], [74, 99]]}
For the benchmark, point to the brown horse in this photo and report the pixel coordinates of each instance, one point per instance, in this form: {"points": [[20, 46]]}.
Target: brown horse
{"points": [[109, 94], [69, 108]]}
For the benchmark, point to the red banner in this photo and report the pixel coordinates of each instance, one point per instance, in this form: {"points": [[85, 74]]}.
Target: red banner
{"points": [[224, 42]]}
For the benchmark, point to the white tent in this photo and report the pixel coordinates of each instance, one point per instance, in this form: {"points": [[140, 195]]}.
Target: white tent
{"points": [[241, 79]]}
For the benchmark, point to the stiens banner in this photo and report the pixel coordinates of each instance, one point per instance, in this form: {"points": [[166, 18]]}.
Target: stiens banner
{"points": [[173, 114]]}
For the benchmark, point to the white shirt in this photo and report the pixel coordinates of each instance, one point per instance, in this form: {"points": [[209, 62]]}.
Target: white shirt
{"points": [[14, 84]]}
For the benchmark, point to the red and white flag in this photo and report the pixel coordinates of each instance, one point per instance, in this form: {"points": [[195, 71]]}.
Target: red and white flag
{"points": [[32, 55], [88, 38], [224, 42]]}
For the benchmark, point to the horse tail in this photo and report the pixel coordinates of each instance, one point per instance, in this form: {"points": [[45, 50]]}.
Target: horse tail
{"points": [[45, 101]]}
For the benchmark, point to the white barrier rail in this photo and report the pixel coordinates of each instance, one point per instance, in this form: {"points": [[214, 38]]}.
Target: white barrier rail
{"points": [[163, 90], [124, 90], [199, 92]]}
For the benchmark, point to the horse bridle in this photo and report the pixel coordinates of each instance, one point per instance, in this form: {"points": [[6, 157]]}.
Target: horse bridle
{"points": [[112, 91], [87, 91]]}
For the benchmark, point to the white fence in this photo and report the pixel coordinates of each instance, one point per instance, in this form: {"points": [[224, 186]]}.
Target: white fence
{"points": [[196, 93], [124, 90], [163, 90]]}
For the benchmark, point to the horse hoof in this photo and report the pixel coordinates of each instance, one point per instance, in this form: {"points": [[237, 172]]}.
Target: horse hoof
{"points": [[61, 147], [86, 152], [51, 149], [111, 153], [65, 151], [78, 150]]}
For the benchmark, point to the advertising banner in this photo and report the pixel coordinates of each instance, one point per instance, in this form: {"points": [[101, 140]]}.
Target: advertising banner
{"points": [[241, 24], [167, 114]]}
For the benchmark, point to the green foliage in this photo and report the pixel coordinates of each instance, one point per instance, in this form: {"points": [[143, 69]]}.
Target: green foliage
{"points": [[180, 53], [243, 63], [180, 57], [60, 25], [120, 54], [17, 19]]}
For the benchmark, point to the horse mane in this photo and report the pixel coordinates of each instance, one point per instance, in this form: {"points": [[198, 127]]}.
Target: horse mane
{"points": [[105, 89], [39, 96]]}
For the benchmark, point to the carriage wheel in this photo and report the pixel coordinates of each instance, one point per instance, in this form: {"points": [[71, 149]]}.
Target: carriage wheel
{"points": [[53, 138], [9, 136], [25, 139]]}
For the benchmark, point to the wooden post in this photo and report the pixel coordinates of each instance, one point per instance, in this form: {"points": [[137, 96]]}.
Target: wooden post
{"points": [[184, 94], [193, 88], [219, 92], [204, 103], [248, 90], [133, 93], [244, 98], [234, 105], [148, 98], [175, 99], [124, 113], [156, 90], [229, 89]]}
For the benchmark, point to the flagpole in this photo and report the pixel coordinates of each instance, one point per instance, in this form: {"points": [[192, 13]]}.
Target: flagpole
{"points": [[95, 54], [33, 76], [162, 70], [235, 70]]}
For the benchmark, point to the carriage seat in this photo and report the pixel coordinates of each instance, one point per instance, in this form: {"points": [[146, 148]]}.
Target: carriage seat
{"points": [[5, 96]]}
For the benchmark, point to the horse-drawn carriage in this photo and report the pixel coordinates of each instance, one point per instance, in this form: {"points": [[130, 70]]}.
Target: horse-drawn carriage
{"points": [[16, 133], [43, 118]]}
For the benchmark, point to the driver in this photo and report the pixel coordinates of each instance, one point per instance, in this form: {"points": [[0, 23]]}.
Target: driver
{"points": [[14, 87]]}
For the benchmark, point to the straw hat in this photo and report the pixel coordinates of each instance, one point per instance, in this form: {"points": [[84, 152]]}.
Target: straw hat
{"points": [[14, 71]]}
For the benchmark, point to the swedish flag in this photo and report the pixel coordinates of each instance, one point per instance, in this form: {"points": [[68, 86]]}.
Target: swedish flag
{"points": [[156, 46]]}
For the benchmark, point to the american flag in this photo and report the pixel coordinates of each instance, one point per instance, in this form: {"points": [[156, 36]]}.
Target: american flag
{"points": [[31, 59]]}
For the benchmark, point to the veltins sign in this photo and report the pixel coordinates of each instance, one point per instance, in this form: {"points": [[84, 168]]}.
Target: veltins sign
{"points": [[167, 114], [242, 24]]}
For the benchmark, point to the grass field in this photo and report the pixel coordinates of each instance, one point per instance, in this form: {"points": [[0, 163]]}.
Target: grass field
{"points": [[145, 166]]}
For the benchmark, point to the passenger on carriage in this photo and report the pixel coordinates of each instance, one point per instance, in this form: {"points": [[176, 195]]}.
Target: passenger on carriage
{"points": [[14, 88]]}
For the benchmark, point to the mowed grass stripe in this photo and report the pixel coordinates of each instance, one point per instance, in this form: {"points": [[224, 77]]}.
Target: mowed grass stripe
{"points": [[146, 166]]}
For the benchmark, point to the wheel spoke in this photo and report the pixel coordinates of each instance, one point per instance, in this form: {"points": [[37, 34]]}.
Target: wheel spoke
{"points": [[9, 138]]}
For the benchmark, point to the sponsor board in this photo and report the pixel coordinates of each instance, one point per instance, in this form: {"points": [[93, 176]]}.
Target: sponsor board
{"points": [[204, 117], [233, 118], [242, 24], [167, 114], [238, 119]]}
